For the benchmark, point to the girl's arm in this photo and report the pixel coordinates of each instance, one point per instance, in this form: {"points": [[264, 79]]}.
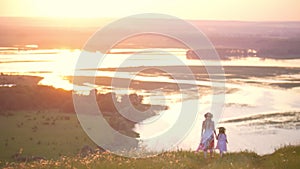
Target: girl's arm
{"points": [[216, 134], [226, 138]]}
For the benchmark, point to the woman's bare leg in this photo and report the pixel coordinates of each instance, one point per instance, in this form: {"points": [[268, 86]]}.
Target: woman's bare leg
{"points": [[205, 154], [198, 148], [211, 153]]}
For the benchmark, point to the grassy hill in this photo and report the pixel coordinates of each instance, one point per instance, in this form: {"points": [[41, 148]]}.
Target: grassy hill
{"points": [[284, 158]]}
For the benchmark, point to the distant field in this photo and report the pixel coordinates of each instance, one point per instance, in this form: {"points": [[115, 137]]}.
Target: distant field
{"points": [[279, 40], [47, 134]]}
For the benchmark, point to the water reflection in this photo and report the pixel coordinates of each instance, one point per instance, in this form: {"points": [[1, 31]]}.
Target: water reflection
{"points": [[257, 90]]}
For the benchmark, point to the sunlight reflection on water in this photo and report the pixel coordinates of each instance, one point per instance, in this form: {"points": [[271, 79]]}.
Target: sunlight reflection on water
{"points": [[248, 94]]}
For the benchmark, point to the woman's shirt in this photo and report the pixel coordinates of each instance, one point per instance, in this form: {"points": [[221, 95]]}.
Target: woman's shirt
{"points": [[208, 125]]}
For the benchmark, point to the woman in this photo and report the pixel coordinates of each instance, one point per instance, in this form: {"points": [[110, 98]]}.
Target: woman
{"points": [[207, 135]]}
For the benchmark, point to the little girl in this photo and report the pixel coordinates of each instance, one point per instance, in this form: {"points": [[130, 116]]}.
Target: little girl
{"points": [[222, 141]]}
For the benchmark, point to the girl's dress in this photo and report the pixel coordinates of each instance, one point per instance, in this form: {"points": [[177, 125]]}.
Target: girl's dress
{"points": [[222, 145]]}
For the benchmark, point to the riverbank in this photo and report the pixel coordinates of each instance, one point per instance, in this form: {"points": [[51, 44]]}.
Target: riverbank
{"points": [[41, 120]]}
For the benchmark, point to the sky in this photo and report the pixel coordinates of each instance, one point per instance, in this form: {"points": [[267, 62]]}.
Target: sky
{"points": [[242, 10]]}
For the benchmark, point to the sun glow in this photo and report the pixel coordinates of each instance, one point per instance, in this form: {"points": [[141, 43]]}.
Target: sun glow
{"points": [[254, 10], [56, 82], [87, 8]]}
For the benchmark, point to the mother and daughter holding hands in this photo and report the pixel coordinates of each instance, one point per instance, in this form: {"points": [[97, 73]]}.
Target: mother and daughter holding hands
{"points": [[207, 137]]}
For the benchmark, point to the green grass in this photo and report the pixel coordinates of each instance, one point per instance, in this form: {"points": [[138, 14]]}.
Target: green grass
{"points": [[284, 158], [41, 133]]}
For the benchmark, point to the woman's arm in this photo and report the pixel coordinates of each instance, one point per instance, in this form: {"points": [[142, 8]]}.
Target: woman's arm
{"points": [[214, 129], [202, 128]]}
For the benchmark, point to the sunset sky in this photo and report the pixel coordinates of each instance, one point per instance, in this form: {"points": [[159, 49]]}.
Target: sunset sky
{"points": [[245, 10]]}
